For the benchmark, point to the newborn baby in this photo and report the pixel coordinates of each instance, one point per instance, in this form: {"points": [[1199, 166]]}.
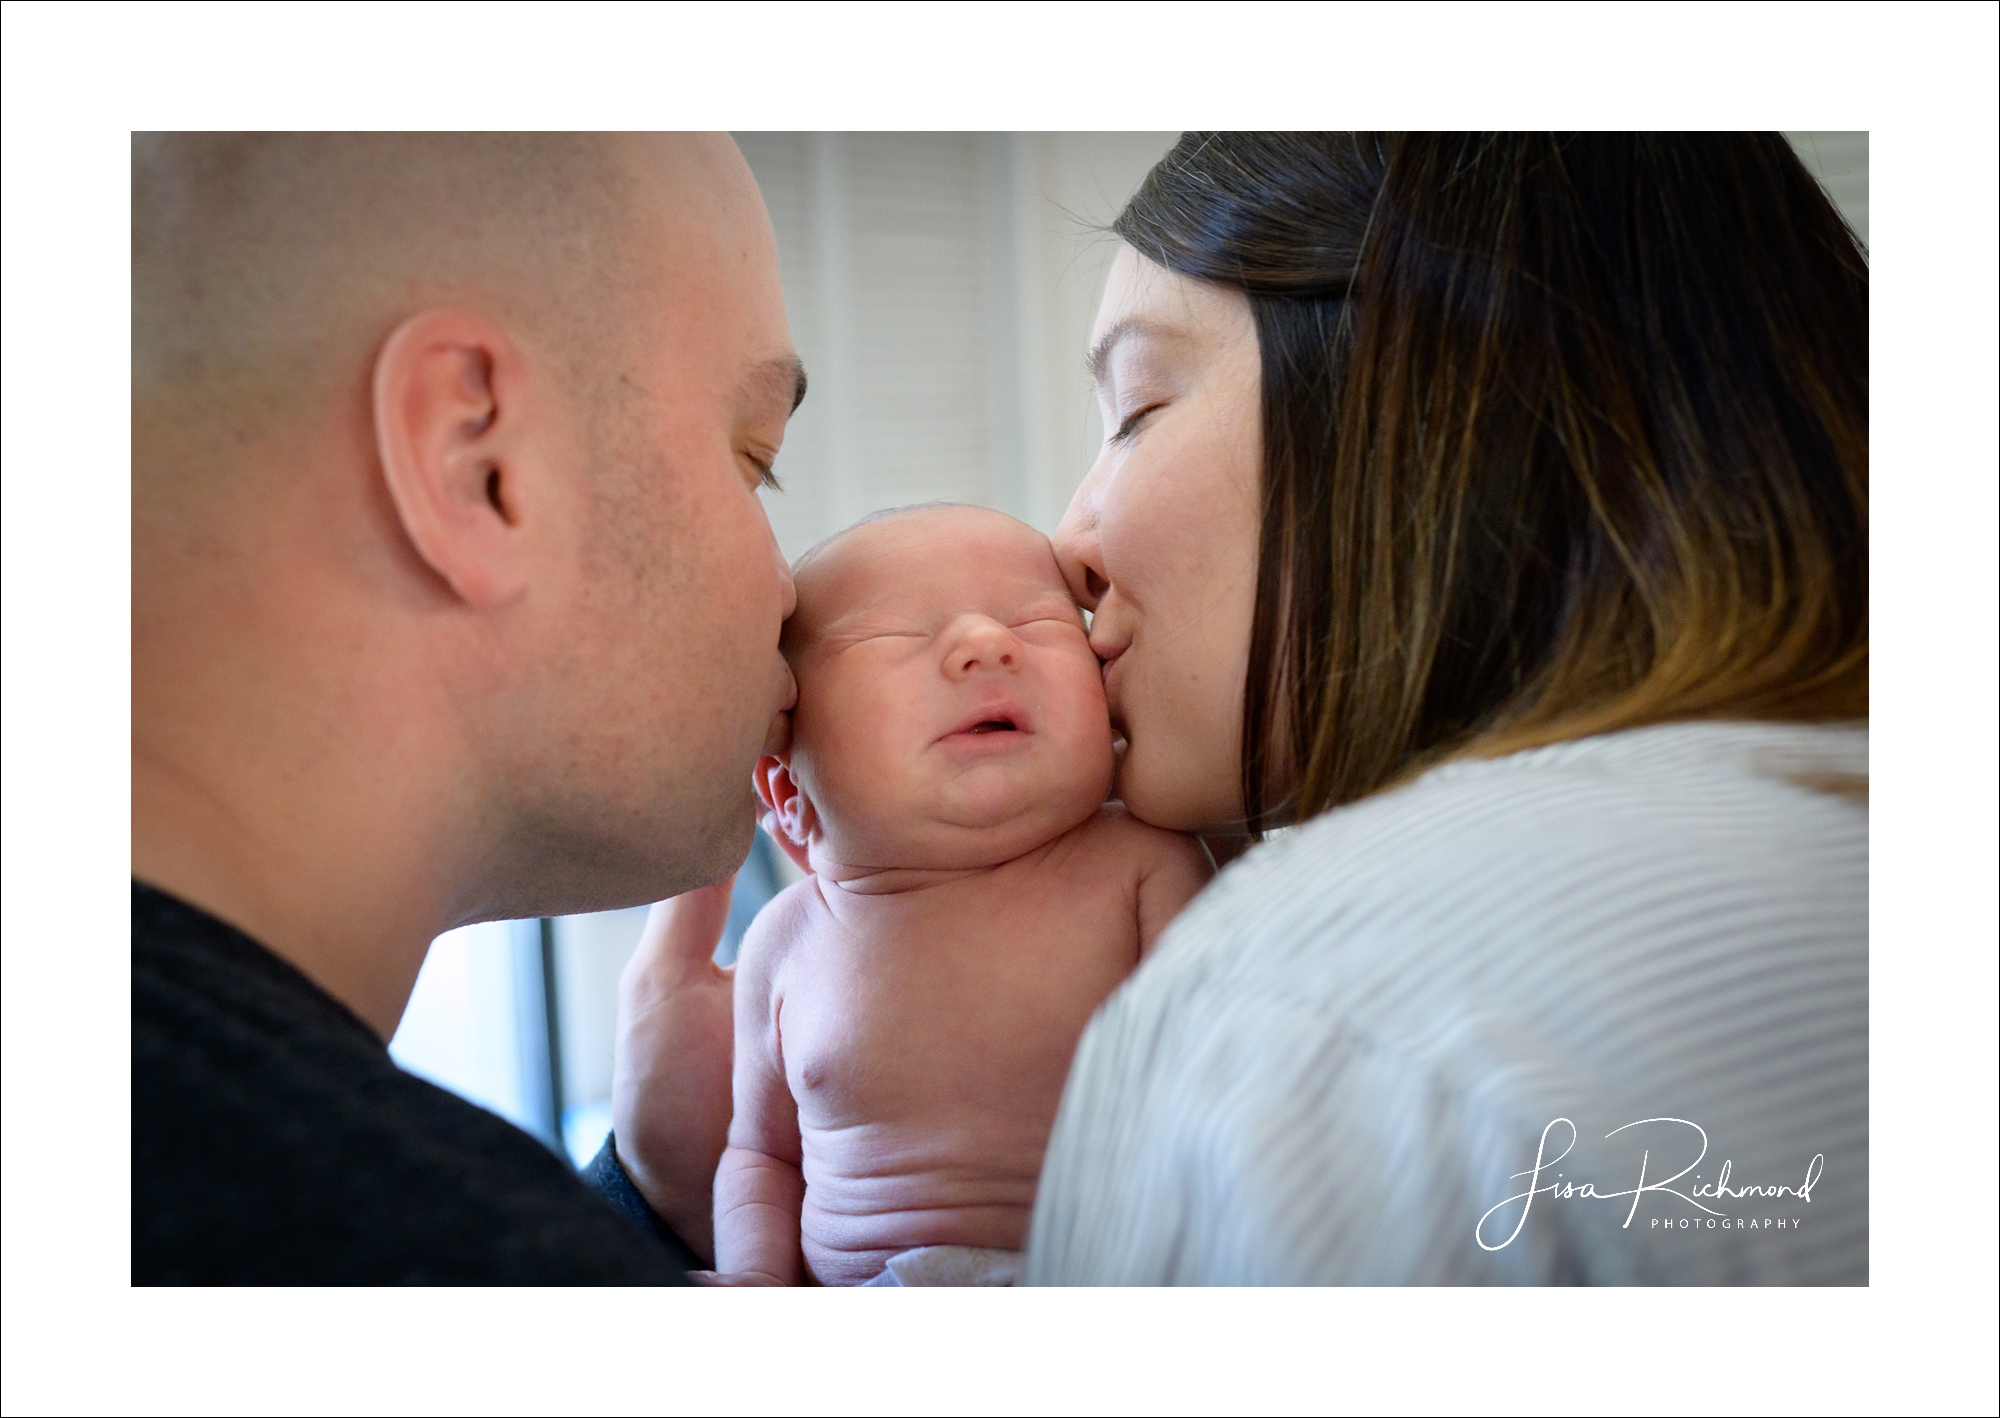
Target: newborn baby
{"points": [[905, 1016]]}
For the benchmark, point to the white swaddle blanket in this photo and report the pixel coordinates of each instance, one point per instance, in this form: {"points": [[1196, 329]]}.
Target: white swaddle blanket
{"points": [[950, 1265]]}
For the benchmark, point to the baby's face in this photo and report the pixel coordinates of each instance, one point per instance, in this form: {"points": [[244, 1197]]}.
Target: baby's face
{"points": [[951, 713]]}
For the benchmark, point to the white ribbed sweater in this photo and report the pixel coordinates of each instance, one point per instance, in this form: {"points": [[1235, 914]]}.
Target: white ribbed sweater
{"points": [[1341, 1061]]}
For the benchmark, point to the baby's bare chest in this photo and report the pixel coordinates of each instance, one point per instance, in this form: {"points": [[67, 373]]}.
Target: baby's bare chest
{"points": [[966, 1005]]}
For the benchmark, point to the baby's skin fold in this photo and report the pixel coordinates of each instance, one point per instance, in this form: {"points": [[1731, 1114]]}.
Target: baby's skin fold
{"points": [[906, 1015]]}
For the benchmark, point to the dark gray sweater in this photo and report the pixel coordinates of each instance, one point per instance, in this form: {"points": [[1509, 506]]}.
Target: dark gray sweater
{"points": [[274, 1142]]}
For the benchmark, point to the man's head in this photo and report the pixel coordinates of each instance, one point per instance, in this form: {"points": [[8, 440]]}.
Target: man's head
{"points": [[445, 467], [950, 712]]}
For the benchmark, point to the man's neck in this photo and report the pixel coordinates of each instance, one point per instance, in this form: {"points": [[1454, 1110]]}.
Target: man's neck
{"points": [[260, 867]]}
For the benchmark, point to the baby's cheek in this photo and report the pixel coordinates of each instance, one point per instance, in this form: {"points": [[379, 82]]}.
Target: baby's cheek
{"points": [[840, 726], [883, 737], [1081, 684], [1086, 722]]}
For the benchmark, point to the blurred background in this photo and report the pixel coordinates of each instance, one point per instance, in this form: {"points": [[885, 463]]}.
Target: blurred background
{"points": [[940, 288]]}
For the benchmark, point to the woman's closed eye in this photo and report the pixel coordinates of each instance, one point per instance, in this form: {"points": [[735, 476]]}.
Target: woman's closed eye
{"points": [[1131, 423]]}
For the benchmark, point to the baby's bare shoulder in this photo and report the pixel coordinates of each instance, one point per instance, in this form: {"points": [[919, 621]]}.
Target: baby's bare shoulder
{"points": [[1166, 869], [786, 919], [1115, 829], [1113, 834], [1155, 872]]}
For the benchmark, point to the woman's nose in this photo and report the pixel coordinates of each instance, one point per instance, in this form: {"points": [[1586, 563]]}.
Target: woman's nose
{"points": [[982, 644], [1077, 551]]}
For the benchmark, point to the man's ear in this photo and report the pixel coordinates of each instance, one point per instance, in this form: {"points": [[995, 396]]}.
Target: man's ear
{"points": [[452, 428], [789, 809]]}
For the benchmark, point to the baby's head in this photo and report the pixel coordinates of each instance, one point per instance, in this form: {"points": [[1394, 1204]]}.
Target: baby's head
{"points": [[951, 713]]}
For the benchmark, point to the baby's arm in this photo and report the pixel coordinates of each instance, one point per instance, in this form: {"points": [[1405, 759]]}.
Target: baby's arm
{"points": [[759, 1188], [1176, 867]]}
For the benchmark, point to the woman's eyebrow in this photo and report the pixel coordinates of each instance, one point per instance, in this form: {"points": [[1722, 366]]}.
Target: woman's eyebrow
{"points": [[1098, 361]]}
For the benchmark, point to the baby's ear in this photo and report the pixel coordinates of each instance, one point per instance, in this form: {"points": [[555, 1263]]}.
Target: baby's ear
{"points": [[790, 819]]}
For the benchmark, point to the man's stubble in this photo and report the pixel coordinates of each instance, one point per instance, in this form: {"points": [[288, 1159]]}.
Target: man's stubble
{"points": [[644, 791]]}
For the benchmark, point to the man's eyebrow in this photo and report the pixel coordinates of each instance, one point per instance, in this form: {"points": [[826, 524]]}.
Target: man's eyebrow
{"points": [[1098, 361], [778, 379]]}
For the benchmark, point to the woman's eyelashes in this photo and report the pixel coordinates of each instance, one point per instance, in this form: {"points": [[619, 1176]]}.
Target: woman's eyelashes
{"points": [[1131, 423]]}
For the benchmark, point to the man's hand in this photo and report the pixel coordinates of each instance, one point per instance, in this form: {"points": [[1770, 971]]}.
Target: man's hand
{"points": [[670, 1080]]}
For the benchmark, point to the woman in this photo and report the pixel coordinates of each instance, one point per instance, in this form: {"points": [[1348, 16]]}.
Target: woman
{"points": [[1496, 508]]}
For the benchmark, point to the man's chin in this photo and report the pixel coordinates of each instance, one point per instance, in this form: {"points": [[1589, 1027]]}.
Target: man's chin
{"points": [[718, 849], [674, 853]]}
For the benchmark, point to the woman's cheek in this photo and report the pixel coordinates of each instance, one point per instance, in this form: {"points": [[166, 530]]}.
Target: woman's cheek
{"points": [[1180, 768], [1148, 745]]}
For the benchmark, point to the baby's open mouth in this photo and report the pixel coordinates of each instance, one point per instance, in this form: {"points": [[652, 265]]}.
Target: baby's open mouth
{"points": [[990, 719]]}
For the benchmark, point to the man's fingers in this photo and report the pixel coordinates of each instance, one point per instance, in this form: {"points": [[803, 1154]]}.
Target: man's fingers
{"points": [[670, 1095], [686, 929]]}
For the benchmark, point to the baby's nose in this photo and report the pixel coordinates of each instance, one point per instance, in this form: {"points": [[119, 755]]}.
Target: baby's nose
{"points": [[983, 645]]}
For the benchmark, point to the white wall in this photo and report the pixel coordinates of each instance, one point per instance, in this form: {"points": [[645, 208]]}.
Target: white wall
{"points": [[463, 1027], [940, 288], [1840, 162]]}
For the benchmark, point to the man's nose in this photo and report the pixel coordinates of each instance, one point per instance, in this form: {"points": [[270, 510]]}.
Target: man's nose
{"points": [[979, 643]]}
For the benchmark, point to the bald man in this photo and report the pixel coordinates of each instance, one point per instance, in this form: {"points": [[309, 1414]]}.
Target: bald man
{"points": [[453, 601]]}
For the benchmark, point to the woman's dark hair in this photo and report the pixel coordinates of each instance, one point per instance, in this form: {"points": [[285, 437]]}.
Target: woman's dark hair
{"points": [[1562, 435]]}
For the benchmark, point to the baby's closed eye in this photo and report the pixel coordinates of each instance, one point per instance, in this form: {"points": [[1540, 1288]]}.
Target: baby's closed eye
{"points": [[1049, 628], [845, 639], [1051, 612]]}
